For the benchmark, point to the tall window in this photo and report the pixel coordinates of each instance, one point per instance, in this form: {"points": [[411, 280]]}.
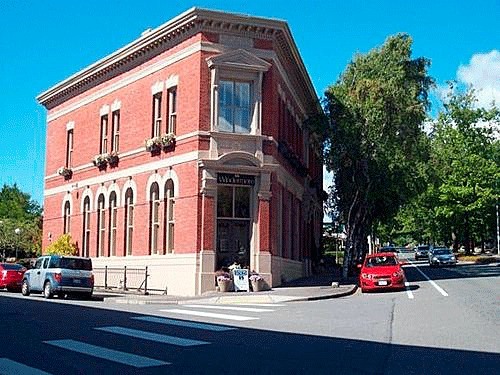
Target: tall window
{"points": [[115, 131], [67, 214], [172, 110], [86, 227], [156, 127], [154, 218], [113, 210], [101, 225], [129, 220], [234, 106], [69, 148], [103, 148], [169, 216]]}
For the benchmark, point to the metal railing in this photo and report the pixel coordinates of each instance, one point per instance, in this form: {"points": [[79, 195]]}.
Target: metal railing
{"points": [[122, 278]]}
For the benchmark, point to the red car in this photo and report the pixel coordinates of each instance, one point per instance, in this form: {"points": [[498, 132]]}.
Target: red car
{"points": [[381, 271], [11, 276]]}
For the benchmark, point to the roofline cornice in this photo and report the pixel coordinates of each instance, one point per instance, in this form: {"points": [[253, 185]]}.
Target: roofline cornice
{"points": [[187, 23]]}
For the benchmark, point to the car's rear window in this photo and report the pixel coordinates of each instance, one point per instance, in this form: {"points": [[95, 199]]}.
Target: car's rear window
{"points": [[423, 247], [14, 267], [381, 261], [72, 263]]}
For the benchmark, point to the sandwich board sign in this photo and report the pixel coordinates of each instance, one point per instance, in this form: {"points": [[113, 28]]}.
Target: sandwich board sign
{"points": [[240, 279]]}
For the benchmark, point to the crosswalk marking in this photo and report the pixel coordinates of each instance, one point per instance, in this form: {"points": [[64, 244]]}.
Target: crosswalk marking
{"points": [[235, 308], [8, 367], [181, 323], [109, 354], [165, 339], [206, 314]]}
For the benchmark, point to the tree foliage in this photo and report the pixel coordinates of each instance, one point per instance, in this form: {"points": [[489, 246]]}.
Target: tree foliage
{"points": [[375, 145], [20, 223], [64, 245]]}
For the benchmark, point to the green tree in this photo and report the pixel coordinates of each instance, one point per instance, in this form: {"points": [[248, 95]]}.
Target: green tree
{"points": [[64, 245], [20, 223], [466, 160], [376, 146]]}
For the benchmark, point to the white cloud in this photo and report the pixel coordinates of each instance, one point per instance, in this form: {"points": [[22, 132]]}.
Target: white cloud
{"points": [[483, 72]]}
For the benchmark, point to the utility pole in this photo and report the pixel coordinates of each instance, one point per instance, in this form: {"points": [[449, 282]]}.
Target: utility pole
{"points": [[498, 230]]}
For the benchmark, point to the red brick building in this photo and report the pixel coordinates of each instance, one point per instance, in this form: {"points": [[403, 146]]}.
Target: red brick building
{"points": [[187, 150]]}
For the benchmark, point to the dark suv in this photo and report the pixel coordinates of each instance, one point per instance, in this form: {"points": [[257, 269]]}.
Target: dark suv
{"points": [[59, 275], [421, 252]]}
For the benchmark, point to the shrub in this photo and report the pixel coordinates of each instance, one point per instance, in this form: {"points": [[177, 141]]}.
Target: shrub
{"points": [[62, 246]]}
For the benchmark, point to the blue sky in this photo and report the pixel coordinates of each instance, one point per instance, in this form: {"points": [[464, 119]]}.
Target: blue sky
{"points": [[44, 42]]}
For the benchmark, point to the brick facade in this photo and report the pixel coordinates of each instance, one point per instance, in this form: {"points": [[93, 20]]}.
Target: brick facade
{"points": [[265, 170]]}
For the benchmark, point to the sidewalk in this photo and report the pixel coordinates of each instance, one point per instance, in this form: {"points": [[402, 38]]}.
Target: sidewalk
{"points": [[316, 287]]}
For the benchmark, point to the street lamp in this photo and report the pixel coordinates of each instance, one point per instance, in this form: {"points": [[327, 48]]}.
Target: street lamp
{"points": [[17, 231]]}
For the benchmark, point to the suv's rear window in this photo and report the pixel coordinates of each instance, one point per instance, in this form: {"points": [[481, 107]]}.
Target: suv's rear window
{"points": [[72, 264]]}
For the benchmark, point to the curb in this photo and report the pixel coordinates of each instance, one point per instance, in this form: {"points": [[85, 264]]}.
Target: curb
{"points": [[346, 293]]}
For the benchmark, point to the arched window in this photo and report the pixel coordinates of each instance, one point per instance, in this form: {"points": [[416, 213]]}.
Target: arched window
{"points": [[129, 220], [101, 225], [154, 218], [113, 210], [67, 215], [169, 217], [86, 227]]}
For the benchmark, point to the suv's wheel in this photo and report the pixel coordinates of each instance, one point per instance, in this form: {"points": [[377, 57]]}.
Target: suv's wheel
{"points": [[47, 290], [25, 288]]}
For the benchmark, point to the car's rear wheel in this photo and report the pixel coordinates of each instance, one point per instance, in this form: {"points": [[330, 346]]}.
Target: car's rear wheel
{"points": [[25, 288], [47, 290]]}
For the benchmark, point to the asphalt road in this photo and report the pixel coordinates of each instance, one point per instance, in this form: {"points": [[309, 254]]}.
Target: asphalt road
{"points": [[446, 322]]}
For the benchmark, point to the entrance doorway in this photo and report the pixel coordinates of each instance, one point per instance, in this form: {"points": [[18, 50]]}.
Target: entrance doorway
{"points": [[233, 226]]}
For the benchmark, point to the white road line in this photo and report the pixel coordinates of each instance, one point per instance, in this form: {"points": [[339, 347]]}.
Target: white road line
{"points": [[261, 304], [150, 336], [235, 308], [209, 314], [8, 367], [182, 323], [438, 288], [109, 354], [408, 291]]}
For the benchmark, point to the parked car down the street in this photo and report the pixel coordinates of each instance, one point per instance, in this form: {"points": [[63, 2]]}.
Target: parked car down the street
{"points": [[442, 256], [11, 276], [60, 275], [381, 271]]}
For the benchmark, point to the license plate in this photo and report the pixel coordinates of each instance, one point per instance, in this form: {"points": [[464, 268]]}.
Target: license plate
{"points": [[77, 281], [382, 282]]}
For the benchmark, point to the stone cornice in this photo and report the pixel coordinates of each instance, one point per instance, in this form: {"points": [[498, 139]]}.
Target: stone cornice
{"points": [[162, 38]]}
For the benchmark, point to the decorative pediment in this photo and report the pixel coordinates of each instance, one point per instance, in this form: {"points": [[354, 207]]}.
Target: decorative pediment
{"points": [[239, 59]]}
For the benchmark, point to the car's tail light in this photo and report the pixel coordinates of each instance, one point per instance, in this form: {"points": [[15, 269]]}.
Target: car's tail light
{"points": [[58, 277], [367, 276], [92, 279]]}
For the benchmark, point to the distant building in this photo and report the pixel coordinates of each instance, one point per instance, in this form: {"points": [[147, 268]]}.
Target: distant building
{"points": [[187, 150]]}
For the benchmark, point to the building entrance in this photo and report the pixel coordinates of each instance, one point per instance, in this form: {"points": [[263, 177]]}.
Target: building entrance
{"points": [[233, 225], [233, 242]]}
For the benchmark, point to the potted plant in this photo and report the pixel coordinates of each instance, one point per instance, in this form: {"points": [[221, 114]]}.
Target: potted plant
{"points": [[257, 282], [167, 140], [112, 158], [224, 281], [153, 144], [100, 160], [65, 172]]}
